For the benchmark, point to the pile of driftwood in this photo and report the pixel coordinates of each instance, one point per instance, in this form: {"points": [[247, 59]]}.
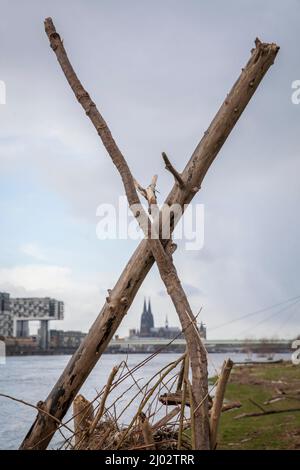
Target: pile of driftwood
{"points": [[160, 411], [154, 248]]}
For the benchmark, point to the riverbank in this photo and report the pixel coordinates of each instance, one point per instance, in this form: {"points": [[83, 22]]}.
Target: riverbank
{"points": [[262, 387], [31, 378]]}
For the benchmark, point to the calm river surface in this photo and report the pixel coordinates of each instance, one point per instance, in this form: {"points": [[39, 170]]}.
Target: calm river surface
{"points": [[31, 378]]}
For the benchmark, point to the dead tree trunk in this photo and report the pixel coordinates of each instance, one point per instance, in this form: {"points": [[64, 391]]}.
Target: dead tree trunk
{"points": [[122, 295]]}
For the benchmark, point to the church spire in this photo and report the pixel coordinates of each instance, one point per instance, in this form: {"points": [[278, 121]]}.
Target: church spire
{"points": [[147, 321]]}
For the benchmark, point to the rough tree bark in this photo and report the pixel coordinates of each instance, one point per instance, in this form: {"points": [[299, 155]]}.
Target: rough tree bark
{"points": [[122, 295]]}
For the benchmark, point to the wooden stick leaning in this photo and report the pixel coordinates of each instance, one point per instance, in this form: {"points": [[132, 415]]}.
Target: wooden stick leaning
{"points": [[218, 401]]}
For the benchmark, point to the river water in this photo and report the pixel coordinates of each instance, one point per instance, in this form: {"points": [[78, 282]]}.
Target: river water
{"points": [[31, 378]]}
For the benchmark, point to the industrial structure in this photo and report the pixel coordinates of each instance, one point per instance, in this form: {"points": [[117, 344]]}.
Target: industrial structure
{"points": [[16, 313]]}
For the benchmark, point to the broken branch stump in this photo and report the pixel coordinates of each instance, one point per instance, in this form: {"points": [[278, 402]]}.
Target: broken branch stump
{"points": [[83, 413], [218, 401]]}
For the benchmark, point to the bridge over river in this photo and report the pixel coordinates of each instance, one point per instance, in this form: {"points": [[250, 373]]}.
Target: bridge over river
{"points": [[236, 345]]}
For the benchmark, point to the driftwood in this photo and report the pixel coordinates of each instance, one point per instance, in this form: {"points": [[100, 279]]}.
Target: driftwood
{"points": [[111, 433], [192, 413], [122, 295], [175, 399], [163, 421], [147, 432], [267, 412], [183, 403], [280, 398], [180, 377], [167, 270], [255, 363], [168, 273], [218, 401], [231, 406], [101, 409], [147, 397], [83, 413], [260, 407]]}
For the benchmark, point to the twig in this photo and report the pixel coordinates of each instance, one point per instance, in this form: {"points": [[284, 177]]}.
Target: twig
{"points": [[146, 446], [133, 378], [148, 383], [258, 405], [103, 401], [163, 421], [268, 412], [192, 414], [180, 377], [183, 400], [146, 399], [120, 380], [38, 408]]}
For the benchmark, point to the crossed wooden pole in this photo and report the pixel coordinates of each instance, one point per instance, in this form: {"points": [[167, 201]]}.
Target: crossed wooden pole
{"points": [[151, 249]]}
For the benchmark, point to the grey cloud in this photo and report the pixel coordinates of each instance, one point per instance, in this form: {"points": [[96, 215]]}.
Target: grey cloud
{"points": [[159, 71]]}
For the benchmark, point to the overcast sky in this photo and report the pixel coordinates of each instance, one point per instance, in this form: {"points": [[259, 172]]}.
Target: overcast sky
{"points": [[158, 71]]}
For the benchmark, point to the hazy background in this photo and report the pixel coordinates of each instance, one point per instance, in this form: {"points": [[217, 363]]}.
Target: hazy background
{"points": [[158, 71]]}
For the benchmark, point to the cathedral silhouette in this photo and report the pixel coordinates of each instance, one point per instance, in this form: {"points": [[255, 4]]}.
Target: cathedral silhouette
{"points": [[147, 320], [148, 329]]}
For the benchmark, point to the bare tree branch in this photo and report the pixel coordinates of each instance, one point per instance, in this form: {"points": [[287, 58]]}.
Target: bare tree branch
{"points": [[103, 400], [172, 170]]}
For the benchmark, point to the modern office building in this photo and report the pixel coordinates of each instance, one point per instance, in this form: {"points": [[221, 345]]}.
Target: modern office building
{"points": [[66, 339], [16, 313], [6, 325]]}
